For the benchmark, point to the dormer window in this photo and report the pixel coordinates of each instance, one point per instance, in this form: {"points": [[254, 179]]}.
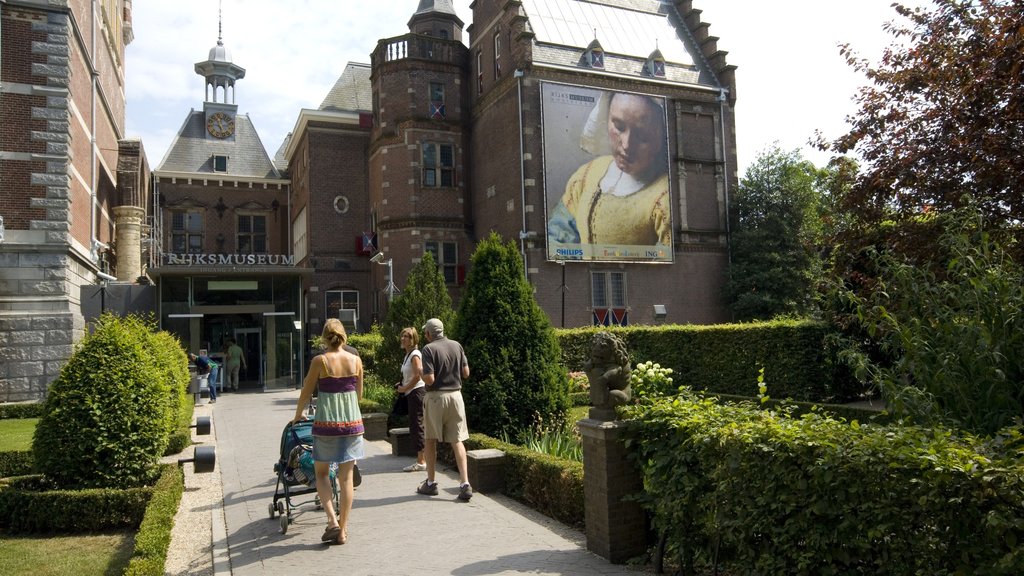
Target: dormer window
{"points": [[220, 163], [593, 57], [655, 65]]}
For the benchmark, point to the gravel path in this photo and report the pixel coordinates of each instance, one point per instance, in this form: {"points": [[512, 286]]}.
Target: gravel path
{"points": [[200, 513]]}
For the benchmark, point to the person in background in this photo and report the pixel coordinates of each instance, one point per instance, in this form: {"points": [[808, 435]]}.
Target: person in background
{"points": [[204, 365], [414, 389], [235, 361], [444, 412], [336, 376]]}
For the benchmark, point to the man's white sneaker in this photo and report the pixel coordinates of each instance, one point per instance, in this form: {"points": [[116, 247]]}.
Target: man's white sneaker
{"points": [[415, 467]]}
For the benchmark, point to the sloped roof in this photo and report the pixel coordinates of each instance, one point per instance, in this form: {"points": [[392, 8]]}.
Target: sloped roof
{"points": [[352, 91], [626, 27], [191, 151]]}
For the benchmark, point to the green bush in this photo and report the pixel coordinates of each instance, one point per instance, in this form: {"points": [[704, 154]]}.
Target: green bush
{"points": [[15, 463], [33, 504], [21, 410], [550, 485], [798, 359], [766, 493], [154, 536], [109, 415], [517, 379]]}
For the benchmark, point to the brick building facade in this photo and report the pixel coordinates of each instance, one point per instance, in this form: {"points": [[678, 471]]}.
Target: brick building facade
{"points": [[64, 166]]}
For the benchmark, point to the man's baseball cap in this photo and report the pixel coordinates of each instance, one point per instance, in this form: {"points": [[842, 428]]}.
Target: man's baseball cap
{"points": [[434, 327]]}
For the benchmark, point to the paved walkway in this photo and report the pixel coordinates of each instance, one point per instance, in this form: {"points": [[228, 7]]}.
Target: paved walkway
{"points": [[392, 530]]}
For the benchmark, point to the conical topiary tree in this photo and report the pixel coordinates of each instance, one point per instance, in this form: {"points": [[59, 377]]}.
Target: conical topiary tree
{"points": [[424, 296], [517, 379]]}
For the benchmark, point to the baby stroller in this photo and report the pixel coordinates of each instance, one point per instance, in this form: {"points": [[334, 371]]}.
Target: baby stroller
{"points": [[295, 475]]}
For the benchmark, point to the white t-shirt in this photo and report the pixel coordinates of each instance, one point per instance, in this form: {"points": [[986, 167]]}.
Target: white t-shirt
{"points": [[407, 370]]}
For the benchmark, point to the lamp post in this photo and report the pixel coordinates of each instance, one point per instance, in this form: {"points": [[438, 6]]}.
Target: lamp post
{"points": [[378, 258]]}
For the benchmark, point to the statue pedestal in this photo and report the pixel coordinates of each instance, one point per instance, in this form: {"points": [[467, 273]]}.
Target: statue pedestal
{"points": [[616, 529]]}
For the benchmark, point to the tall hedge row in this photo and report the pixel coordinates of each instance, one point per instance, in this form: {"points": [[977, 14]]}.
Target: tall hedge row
{"points": [[765, 493], [109, 415], [796, 356]]}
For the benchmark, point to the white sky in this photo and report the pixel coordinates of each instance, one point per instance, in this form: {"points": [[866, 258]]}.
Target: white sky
{"points": [[791, 79]]}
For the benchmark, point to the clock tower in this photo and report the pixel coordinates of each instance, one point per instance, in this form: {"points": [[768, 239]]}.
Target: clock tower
{"points": [[219, 105]]}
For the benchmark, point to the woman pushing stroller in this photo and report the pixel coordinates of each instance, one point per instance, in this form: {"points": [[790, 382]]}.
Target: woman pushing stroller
{"points": [[337, 377]]}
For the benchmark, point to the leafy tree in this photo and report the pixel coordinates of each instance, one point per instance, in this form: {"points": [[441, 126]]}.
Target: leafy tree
{"points": [[425, 296], [775, 238], [517, 378], [942, 121], [955, 337]]}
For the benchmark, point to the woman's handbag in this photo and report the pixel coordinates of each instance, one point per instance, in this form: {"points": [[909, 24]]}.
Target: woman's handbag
{"points": [[401, 407]]}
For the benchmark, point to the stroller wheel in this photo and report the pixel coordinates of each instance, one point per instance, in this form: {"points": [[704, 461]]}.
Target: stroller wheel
{"points": [[280, 507], [273, 509], [284, 524]]}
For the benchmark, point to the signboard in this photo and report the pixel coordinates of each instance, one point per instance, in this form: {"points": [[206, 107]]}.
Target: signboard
{"points": [[606, 175]]}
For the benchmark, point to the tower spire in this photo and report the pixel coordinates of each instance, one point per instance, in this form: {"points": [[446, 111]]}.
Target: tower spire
{"points": [[220, 23]]}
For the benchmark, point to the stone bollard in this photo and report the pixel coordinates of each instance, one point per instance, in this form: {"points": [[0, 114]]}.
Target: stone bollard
{"points": [[486, 470], [375, 426]]}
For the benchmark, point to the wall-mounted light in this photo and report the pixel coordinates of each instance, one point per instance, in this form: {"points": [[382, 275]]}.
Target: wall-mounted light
{"points": [[660, 311], [378, 258], [220, 207]]}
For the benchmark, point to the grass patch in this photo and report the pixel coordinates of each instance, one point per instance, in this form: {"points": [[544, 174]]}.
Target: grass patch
{"points": [[16, 434], [104, 554]]}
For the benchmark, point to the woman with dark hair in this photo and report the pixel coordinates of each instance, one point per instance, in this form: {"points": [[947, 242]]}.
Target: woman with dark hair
{"points": [[337, 378]]}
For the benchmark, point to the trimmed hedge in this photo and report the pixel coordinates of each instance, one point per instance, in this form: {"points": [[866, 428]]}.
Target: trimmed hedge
{"points": [[30, 504], [154, 536], [110, 414], [552, 486], [15, 463], [766, 493], [21, 410], [797, 357]]}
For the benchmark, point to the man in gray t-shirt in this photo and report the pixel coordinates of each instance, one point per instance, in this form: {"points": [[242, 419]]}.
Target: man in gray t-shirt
{"points": [[444, 412]]}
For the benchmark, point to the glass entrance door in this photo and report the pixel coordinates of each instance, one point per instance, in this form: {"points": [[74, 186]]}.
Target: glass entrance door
{"points": [[250, 340]]}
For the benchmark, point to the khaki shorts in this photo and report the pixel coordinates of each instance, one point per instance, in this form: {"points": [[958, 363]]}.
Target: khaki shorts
{"points": [[444, 416]]}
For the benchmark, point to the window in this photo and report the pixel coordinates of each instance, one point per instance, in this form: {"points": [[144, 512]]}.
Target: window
{"points": [[479, 72], [220, 163], [437, 101], [497, 56], [446, 255], [608, 295], [187, 232], [443, 34], [252, 234], [438, 165], [608, 289], [337, 300]]}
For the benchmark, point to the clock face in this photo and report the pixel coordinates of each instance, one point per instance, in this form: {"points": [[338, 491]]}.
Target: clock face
{"points": [[220, 125]]}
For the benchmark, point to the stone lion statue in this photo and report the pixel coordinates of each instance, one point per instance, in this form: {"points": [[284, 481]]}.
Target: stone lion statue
{"points": [[608, 370]]}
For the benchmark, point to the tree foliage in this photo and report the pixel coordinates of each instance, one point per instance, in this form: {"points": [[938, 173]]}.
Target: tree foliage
{"points": [[518, 380], [942, 121], [425, 296], [954, 339], [775, 238]]}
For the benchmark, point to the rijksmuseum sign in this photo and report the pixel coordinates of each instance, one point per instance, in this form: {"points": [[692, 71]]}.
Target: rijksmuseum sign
{"points": [[229, 260]]}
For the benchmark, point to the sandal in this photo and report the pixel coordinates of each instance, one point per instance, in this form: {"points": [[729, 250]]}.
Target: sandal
{"points": [[332, 534]]}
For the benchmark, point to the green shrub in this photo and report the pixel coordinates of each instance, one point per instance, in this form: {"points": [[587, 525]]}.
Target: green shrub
{"points": [[799, 361], [771, 494], [550, 485], [517, 378], [33, 504], [21, 410], [154, 536], [109, 415], [15, 463]]}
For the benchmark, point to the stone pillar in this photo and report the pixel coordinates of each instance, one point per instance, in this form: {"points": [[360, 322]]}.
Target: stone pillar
{"points": [[616, 529], [128, 221]]}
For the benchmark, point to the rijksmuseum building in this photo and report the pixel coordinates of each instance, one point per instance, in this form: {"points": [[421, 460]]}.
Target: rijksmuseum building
{"points": [[598, 136]]}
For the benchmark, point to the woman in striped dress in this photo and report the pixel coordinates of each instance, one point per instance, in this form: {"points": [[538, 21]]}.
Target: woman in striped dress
{"points": [[337, 377]]}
